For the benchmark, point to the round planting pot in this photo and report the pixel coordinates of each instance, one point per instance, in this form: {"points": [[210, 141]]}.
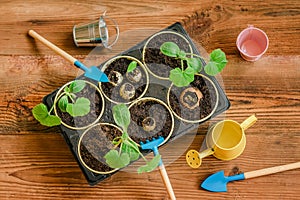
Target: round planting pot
{"points": [[97, 105], [150, 118], [124, 87], [194, 103], [94, 143], [158, 64]]}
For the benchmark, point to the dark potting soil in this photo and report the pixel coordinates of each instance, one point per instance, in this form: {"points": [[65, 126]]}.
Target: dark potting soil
{"points": [[157, 62], [95, 144], [113, 92], [206, 103], [93, 95], [140, 113]]}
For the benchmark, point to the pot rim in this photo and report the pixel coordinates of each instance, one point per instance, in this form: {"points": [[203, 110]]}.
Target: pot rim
{"points": [[80, 140], [166, 106], [58, 95], [130, 58], [199, 120], [147, 42]]}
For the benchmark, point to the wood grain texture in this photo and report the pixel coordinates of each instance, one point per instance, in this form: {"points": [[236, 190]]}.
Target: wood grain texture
{"points": [[35, 162]]}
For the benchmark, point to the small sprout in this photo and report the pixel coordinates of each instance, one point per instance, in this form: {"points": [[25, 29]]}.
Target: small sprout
{"points": [[184, 76], [190, 97], [131, 66], [127, 91], [128, 149], [134, 76], [68, 102], [149, 124], [115, 78]]}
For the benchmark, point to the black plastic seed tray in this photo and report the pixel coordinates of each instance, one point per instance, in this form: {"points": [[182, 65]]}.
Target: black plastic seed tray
{"points": [[159, 91]]}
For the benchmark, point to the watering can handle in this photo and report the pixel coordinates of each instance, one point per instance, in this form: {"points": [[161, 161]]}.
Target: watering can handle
{"points": [[53, 47], [248, 122]]}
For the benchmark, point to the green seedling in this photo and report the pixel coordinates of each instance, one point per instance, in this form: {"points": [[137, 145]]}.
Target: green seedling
{"points": [[128, 149], [131, 66], [68, 102], [185, 75]]}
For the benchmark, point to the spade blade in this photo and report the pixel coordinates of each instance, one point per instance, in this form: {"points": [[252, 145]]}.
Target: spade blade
{"points": [[218, 182], [96, 74], [215, 182]]}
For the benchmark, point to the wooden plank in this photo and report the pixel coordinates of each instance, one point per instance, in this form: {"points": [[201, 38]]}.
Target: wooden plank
{"points": [[212, 24], [40, 166], [270, 90], [218, 26], [35, 162], [43, 17]]}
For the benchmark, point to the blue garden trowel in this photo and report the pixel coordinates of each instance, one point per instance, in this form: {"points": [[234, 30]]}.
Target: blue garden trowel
{"points": [[218, 182], [91, 72], [153, 145]]}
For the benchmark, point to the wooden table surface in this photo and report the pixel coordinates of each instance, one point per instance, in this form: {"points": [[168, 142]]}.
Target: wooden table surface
{"points": [[35, 162]]}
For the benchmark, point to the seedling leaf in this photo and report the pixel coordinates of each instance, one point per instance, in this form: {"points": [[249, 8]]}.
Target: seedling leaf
{"points": [[176, 76], [81, 107], [41, 113], [181, 54], [170, 49], [51, 120], [67, 89], [219, 58], [182, 78], [76, 86], [116, 160], [121, 116], [151, 165], [130, 148], [132, 66], [189, 74], [211, 69], [62, 103], [195, 63]]}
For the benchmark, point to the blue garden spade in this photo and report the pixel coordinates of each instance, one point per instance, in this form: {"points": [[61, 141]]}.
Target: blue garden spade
{"points": [[153, 145], [91, 72], [218, 182]]}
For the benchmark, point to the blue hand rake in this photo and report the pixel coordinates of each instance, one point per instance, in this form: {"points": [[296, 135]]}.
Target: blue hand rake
{"points": [[153, 145]]}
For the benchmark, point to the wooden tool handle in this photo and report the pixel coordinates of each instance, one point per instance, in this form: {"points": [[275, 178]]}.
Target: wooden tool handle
{"points": [[271, 170], [167, 182], [57, 50]]}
